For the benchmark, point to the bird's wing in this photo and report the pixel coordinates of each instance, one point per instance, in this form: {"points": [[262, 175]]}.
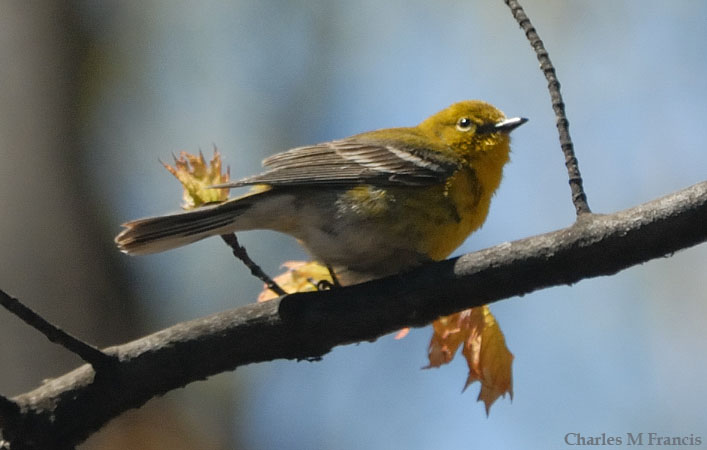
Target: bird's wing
{"points": [[355, 160]]}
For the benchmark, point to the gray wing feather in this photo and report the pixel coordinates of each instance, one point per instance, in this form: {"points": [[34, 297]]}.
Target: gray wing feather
{"points": [[353, 161]]}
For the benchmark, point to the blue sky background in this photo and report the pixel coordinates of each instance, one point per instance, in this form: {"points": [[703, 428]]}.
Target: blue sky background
{"points": [[618, 354], [609, 355]]}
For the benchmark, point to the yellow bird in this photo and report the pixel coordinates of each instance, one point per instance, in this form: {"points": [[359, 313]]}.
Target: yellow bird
{"points": [[369, 205]]}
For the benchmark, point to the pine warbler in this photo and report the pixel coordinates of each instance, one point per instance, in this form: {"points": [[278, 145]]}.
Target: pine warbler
{"points": [[369, 205]]}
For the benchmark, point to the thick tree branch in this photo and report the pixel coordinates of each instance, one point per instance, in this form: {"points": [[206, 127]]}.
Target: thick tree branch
{"points": [[66, 410]]}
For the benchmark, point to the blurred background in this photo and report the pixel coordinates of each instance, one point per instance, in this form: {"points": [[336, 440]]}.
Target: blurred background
{"points": [[93, 94]]}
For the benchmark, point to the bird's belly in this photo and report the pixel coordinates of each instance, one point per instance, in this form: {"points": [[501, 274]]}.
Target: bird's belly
{"points": [[381, 231], [362, 254]]}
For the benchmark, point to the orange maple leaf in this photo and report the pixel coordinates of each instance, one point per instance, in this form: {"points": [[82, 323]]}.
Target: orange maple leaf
{"points": [[484, 348]]}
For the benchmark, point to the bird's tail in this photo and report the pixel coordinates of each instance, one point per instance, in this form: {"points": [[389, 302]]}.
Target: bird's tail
{"points": [[157, 234]]}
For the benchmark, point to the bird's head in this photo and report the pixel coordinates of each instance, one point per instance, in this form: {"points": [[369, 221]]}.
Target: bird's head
{"points": [[474, 130]]}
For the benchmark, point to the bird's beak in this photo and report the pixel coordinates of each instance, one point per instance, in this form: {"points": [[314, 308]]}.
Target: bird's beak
{"points": [[508, 125]]}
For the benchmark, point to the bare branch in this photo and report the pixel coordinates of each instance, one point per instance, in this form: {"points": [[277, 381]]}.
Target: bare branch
{"points": [[66, 410], [579, 198], [86, 352], [240, 252]]}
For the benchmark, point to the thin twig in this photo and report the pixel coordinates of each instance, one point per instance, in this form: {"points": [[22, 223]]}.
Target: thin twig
{"points": [[240, 252], [579, 198], [86, 352]]}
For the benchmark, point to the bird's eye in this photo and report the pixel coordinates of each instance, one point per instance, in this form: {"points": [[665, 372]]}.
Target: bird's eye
{"points": [[465, 124]]}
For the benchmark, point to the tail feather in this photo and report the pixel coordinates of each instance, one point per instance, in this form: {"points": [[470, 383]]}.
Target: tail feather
{"points": [[157, 234]]}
